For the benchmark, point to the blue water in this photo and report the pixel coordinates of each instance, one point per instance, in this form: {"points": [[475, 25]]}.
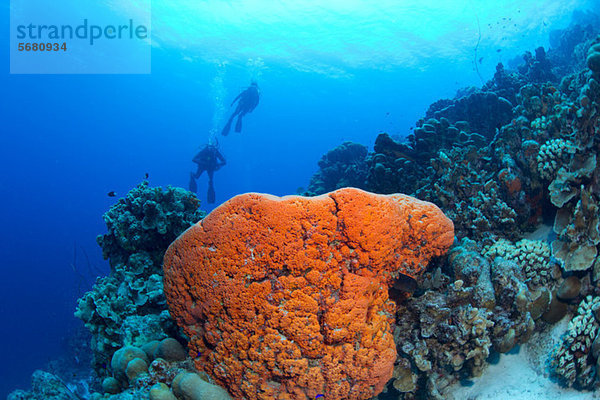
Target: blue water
{"points": [[67, 140]]}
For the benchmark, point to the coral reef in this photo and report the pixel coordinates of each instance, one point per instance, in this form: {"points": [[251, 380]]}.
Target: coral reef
{"points": [[301, 298], [393, 167], [143, 224], [537, 68], [505, 84], [534, 157], [288, 298], [593, 58], [343, 166], [574, 361], [447, 330], [568, 47], [574, 188], [136, 374], [128, 306], [44, 386], [190, 386], [503, 180], [485, 112], [459, 176], [532, 256], [578, 229], [552, 155]]}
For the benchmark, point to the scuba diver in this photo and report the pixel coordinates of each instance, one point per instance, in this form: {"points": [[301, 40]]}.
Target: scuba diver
{"points": [[209, 159], [247, 102]]}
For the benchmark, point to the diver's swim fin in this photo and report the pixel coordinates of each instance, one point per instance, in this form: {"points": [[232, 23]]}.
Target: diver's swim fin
{"points": [[210, 195], [227, 127], [238, 124], [193, 185]]}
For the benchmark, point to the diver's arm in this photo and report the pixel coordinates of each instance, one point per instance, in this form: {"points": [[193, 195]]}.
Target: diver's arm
{"points": [[237, 98], [220, 159], [197, 158], [200, 158]]}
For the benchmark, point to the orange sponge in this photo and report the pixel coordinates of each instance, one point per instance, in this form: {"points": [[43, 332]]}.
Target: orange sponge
{"points": [[287, 298]]}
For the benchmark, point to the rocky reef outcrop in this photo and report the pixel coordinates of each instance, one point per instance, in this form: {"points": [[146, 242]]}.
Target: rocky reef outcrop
{"points": [[344, 166], [476, 301], [499, 162], [128, 306]]}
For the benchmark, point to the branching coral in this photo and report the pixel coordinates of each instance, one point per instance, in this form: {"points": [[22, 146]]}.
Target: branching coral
{"points": [[552, 155], [533, 256], [574, 361]]}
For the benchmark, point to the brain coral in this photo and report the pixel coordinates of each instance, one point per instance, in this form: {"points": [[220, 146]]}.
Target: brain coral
{"points": [[287, 298]]}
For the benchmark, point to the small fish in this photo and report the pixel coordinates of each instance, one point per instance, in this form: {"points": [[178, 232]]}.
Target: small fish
{"points": [[545, 24], [498, 51], [146, 175], [199, 354], [480, 60], [319, 396], [112, 193]]}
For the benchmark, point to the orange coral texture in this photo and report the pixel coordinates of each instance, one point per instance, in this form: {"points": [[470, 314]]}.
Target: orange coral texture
{"points": [[287, 298]]}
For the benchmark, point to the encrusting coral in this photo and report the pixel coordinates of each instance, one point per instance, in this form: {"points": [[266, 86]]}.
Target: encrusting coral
{"points": [[287, 298]]}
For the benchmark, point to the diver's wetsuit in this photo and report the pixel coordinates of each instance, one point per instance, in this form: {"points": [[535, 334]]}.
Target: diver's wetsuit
{"points": [[209, 159], [248, 100]]}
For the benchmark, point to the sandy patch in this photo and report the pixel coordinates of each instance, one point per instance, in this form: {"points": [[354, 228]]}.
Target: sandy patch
{"points": [[522, 376]]}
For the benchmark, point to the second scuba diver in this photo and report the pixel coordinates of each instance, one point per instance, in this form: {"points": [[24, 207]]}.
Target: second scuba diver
{"points": [[209, 159], [247, 102]]}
